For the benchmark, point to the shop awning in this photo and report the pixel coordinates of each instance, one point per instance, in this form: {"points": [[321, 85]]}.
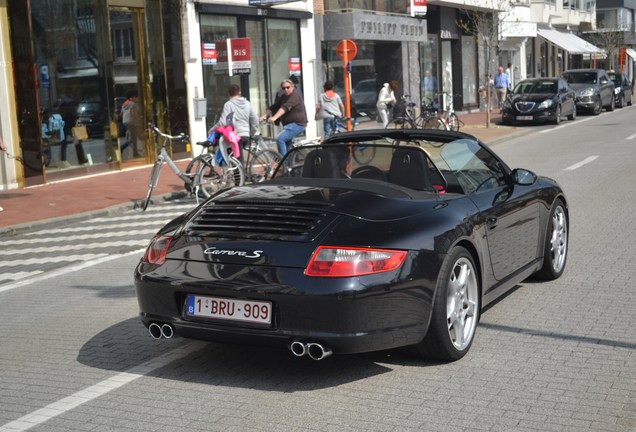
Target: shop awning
{"points": [[569, 42], [630, 52]]}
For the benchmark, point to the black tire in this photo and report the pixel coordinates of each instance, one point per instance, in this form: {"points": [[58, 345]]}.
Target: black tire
{"points": [[557, 116], [434, 123], [364, 154], [598, 107], [212, 178], [453, 122], [263, 165], [400, 123], [152, 183], [456, 307], [555, 250]]}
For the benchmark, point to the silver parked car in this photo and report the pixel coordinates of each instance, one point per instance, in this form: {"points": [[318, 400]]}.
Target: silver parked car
{"points": [[594, 89]]}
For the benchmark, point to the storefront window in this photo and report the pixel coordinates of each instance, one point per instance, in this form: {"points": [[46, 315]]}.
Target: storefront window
{"points": [[66, 54], [469, 70], [277, 60], [429, 67], [529, 58], [395, 6], [217, 29]]}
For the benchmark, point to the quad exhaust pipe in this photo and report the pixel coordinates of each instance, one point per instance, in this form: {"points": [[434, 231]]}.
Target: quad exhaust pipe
{"points": [[316, 351], [158, 331]]}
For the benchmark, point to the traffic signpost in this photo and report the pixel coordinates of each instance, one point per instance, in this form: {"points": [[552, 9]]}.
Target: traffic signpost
{"points": [[346, 51]]}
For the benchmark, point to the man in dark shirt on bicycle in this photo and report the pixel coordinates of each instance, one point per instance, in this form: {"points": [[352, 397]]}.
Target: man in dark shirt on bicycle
{"points": [[290, 110]]}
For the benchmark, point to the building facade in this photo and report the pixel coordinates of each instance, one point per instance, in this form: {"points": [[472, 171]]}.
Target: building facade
{"points": [[78, 62]]}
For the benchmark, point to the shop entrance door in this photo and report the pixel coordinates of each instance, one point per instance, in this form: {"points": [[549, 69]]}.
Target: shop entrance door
{"points": [[129, 83], [27, 105]]}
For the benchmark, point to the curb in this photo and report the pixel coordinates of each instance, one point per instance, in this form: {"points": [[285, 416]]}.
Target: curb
{"points": [[60, 221]]}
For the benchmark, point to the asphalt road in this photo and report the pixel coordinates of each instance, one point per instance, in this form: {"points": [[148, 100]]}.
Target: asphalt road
{"points": [[556, 356]]}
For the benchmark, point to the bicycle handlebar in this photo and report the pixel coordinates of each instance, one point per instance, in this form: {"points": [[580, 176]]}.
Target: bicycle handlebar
{"points": [[156, 130]]}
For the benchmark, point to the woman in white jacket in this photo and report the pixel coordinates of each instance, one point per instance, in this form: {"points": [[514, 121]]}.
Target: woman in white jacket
{"points": [[386, 97]]}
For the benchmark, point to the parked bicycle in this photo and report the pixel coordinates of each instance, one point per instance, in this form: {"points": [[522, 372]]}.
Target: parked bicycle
{"points": [[450, 119], [406, 121], [203, 175], [429, 115]]}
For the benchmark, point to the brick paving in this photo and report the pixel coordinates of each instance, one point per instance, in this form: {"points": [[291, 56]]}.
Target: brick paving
{"points": [[84, 197]]}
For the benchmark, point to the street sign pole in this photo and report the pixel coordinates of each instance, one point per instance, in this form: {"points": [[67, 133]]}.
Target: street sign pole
{"points": [[346, 51]]}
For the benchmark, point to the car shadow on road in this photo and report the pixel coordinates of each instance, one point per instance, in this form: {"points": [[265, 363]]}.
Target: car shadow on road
{"points": [[127, 344]]}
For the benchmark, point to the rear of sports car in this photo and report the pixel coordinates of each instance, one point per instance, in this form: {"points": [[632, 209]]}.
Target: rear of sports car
{"points": [[315, 270]]}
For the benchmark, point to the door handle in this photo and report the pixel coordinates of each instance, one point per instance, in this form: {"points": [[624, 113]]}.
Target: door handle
{"points": [[491, 222]]}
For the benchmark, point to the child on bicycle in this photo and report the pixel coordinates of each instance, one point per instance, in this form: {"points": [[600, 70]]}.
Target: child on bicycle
{"points": [[238, 113], [329, 107]]}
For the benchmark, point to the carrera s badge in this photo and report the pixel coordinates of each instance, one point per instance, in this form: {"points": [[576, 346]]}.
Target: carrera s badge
{"points": [[233, 253]]}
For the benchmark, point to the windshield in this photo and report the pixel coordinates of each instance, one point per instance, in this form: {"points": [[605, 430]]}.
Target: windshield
{"points": [[456, 166], [543, 86], [616, 79], [580, 77]]}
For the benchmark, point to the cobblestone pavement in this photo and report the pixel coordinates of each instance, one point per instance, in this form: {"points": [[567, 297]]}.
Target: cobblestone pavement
{"points": [[555, 356]]}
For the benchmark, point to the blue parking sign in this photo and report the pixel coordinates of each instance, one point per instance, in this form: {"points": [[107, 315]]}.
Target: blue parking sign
{"points": [[45, 79]]}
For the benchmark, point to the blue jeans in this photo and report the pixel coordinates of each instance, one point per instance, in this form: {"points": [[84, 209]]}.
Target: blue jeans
{"points": [[283, 140], [329, 124]]}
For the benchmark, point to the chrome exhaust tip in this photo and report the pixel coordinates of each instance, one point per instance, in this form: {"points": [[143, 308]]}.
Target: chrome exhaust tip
{"points": [[298, 348], [317, 351], [155, 331], [167, 331]]}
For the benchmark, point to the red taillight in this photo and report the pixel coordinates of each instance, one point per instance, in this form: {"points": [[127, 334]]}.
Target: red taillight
{"points": [[157, 250], [332, 261]]}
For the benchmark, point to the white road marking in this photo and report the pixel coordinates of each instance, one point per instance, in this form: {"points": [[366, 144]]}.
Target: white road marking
{"points": [[631, 137], [69, 269], [63, 248], [568, 124], [134, 223], [583, 162], [19, 275], [93, 392], [56, 259], [105, 235]]}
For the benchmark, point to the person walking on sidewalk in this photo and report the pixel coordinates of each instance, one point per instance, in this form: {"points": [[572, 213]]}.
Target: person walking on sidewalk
{"points": [[386, 101], [133, 120], [502, 85], [291, 112]]}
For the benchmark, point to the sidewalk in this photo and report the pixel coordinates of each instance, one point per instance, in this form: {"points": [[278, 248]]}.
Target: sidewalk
{"points": [[111, 193]]}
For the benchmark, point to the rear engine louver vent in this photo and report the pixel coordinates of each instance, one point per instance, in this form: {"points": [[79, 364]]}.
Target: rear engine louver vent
{"points": [[257, 222]]}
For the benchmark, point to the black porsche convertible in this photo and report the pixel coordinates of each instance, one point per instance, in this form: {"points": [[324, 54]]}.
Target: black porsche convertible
{"points": [[373, 240]]}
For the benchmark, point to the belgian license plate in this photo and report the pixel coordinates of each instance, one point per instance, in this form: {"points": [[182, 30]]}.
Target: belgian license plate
{"points": [[229, 309], [524, 117]]}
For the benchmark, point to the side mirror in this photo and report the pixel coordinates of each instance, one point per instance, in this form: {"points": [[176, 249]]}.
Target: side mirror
{"points": [[523, 177]]}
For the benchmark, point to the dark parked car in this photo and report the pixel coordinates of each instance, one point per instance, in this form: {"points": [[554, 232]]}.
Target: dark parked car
{"points": [[622, 88], [91, 115], [594, 90], [380, 238], [540, 100]]}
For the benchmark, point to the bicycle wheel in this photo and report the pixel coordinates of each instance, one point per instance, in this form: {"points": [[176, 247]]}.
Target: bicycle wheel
{"points": [[453, 122], [263, 165], [399, 123], [211, 178], [364, 154], [154, 178], [434, 123]]}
